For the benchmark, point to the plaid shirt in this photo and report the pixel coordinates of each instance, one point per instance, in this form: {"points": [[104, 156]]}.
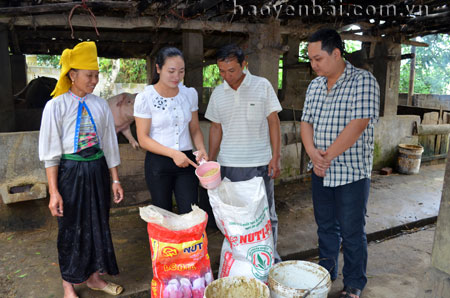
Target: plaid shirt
{"points": [[355, 95]]}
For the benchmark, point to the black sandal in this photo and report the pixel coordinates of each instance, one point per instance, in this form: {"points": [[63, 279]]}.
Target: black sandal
{"points": [[350, 291]]}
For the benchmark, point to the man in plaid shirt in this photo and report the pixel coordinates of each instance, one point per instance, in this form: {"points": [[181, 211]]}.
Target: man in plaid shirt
{"points": [[341, 107]]}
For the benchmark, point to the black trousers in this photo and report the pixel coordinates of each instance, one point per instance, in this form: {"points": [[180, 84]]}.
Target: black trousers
{"points": [[164, 178]]}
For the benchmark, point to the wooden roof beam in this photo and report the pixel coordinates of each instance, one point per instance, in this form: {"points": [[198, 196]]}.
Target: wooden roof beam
{"points": [[368, 38], [200, 7], [63, 7], [105, 49], [117, 36], [124, 23], [51, 20]]}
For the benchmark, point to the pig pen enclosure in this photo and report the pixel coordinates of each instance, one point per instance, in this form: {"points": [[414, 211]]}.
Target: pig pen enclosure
{"points": [[138, 29]]}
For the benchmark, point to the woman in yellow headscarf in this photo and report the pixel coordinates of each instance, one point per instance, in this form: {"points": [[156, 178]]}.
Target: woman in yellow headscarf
{"points": [[78, 144]]}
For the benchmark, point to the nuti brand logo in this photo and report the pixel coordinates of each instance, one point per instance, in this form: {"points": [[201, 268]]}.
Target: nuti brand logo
{"points": [[197, 246], [169, 252], [234, 240], [254, 237], [261, 257], [193, 248]]}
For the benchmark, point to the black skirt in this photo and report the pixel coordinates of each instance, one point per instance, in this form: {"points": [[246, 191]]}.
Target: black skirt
{"points": [[84, 238]]}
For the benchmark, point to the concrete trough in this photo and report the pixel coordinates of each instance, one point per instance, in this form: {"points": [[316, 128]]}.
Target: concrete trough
{"points": [[22, 175], [14, 193]]}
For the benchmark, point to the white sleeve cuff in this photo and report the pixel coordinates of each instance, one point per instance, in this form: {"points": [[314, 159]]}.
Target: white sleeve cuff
{"points": [[145, 116], [51, 163]]}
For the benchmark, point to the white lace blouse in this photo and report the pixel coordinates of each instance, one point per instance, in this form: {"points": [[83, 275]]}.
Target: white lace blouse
{"points": [[170, 115]]}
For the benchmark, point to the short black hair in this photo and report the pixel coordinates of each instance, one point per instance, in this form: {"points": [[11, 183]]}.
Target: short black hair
{"points": [[161, 57], [330, 40], [230, 51]]}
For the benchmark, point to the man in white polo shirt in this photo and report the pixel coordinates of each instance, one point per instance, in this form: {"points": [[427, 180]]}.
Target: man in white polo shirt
{"points": [[244, 114]]}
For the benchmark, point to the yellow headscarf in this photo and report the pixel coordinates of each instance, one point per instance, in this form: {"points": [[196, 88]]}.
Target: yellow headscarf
{"points": [[83, 56]]}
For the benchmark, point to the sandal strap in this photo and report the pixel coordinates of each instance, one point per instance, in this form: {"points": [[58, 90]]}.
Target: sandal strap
{"points": [[350, 290], [111, 289]]}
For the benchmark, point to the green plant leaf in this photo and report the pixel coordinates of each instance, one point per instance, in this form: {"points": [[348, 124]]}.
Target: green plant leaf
{"points": [[432, 66], [261, 261]]}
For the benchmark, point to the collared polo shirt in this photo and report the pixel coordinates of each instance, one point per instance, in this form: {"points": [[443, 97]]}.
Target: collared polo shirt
{"points": [[170, 115], [355, 95], [243, 114]]}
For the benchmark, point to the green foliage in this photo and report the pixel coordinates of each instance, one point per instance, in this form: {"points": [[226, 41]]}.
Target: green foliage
{"points": [[211, 76], [48, 60], [132, 71], [303, 52], [105, 66], [432, 66], [352, 46], [280, 73]]}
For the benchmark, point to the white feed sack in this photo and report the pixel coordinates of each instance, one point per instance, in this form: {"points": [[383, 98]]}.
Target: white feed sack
{"points": [[242, 215]]}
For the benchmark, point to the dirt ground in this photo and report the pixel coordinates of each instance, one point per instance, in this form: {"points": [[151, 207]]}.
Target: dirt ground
{"points": [[29, 264], [29, 261], [23, 256], [395, 266]]}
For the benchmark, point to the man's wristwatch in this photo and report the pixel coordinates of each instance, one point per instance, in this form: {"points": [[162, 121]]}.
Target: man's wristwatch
{"points": [[116, 181]]}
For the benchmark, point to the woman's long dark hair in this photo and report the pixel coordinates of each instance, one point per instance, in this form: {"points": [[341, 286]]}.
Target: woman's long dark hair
{"points": [[161, 57]]}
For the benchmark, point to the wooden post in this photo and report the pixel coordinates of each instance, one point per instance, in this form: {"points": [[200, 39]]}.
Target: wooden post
{"points": [[427, 132], [150, 66], [263, 56], [18, 72], [436, 280], [387, 73], [193, 57], [294, 80], [437, 147], [440, 257], [412, 74], [7, 111]]}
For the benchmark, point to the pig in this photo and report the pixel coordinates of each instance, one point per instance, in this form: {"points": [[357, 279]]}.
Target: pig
{"points": [[122, 108], [36, 93]]}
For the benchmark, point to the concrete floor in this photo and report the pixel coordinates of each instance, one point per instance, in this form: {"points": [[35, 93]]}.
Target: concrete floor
{"points": [[28, 261], [395, 267]]}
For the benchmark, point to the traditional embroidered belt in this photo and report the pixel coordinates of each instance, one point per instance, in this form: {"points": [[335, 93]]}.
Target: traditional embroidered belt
{"points": [[78, 157]]}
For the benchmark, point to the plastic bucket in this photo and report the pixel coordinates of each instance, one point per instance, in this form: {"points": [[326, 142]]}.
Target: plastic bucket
{"points": [[409, 157], [209, 181], [237, 286], [298, 278]]}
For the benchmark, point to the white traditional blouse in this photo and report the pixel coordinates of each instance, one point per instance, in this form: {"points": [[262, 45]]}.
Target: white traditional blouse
{"points": [[170, 115], [59, 134]]}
